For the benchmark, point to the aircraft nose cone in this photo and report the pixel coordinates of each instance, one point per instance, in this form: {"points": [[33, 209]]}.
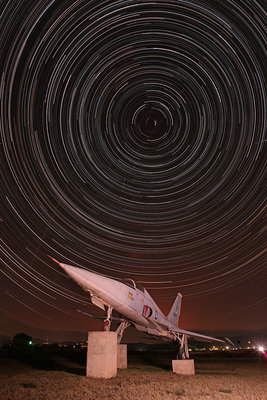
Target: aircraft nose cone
{"points": [[75, 273], [86, 279], [69, 269]]}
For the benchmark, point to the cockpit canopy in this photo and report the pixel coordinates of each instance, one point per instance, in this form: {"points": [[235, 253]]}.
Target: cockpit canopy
{"points": [[133, 284]]}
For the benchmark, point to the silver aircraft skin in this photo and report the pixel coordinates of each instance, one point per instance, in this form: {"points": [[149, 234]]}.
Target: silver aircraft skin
{"points": [[136, 306]]}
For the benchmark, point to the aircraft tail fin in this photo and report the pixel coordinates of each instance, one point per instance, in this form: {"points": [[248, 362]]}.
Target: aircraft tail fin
{"points": [[174, 314]]}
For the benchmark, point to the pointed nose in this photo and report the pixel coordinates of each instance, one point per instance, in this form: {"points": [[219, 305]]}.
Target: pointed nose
{"points": [[79, 275], [89, 281], [70, 270]]}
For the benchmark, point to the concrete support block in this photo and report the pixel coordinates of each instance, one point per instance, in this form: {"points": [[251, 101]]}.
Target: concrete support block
{"points": [[122, 356], [183, 367], [102, 355]]}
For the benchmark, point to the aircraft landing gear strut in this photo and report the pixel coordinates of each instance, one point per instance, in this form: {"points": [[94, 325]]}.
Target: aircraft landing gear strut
{"points": [[121, 329], [183, 353], [107, 321]]}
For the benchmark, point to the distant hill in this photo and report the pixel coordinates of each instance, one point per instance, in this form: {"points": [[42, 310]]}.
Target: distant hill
{"points": [[4, 340], [39, 335]]}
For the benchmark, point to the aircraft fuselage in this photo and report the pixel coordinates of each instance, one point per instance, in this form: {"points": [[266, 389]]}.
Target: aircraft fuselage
{"points": [[135, 304]]}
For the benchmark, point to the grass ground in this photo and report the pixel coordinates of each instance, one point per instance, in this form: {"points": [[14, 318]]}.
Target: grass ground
{"points": [[145, 379]]}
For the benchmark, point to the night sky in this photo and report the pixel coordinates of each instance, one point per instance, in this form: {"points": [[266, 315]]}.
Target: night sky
{"points": [[133, 144]]}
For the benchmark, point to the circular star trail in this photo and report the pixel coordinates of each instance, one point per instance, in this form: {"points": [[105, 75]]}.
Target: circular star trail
{"points": [[133, 144]]}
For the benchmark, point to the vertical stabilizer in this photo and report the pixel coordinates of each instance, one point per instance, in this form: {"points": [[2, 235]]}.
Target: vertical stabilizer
{"points": [[174, 314]]}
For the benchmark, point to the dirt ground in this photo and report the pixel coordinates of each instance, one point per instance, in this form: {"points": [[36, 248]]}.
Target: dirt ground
{"points": [[231, 379]]}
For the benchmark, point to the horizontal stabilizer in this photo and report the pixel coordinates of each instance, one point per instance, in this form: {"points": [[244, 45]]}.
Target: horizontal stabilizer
{"points": [[229, 341], [198, 336]]}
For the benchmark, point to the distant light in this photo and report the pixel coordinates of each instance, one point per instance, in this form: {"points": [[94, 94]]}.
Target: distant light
{"points": [[30, 342]]}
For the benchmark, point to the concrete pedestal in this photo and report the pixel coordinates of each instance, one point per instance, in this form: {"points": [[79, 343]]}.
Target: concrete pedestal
{"points": [[183, 367], [122, 356], [102, 355]]}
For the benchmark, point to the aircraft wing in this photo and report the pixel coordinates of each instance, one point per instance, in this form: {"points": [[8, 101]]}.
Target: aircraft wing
{"points": [[195, 335]]}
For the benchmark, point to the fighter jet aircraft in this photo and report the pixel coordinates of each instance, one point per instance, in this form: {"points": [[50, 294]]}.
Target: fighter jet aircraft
{"points": [[136, 306]]}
